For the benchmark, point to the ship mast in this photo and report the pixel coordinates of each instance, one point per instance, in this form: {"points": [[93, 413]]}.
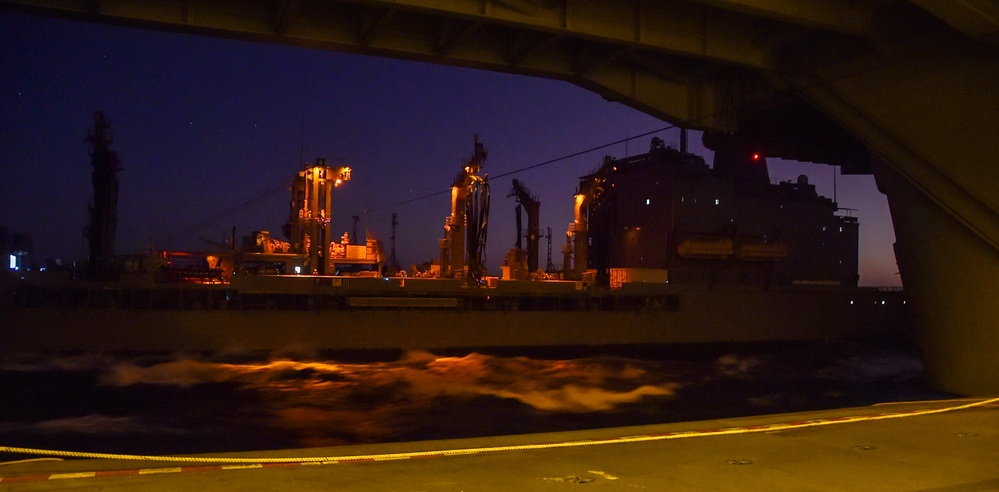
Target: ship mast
{"points": [[393, 263], [103, 220]]}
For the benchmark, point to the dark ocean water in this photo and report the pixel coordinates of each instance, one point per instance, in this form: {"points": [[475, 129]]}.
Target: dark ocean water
{"points": [[209, 403]]}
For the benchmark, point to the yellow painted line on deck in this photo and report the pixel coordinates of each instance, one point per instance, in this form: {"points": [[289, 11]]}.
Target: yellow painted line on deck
{"points": [[274, 462]]}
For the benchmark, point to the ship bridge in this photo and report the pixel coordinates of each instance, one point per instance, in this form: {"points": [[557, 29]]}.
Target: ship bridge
{"points": [[903, 89]]}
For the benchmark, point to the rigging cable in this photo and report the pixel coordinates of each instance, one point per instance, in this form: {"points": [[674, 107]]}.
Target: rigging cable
{"points": [[772, 103], [192, 228], [527, 168]]}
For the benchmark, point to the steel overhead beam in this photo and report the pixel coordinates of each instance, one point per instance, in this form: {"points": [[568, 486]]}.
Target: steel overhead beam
{"points": [[661, 67], [602, 32], [481, 37], [672, 28], [934, 182], [586, 58], [979, 19], [937, 133], [97, 6], [695, 104], [527, 50], [840, 16], [449, 39], [374, 22], [286, 13]]}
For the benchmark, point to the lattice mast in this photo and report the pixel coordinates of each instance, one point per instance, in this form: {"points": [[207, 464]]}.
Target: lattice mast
{"points": [[103, 212], [393, 262]]}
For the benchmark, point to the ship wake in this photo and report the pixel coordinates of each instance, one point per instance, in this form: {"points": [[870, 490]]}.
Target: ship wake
{"points": [[185, 403], [320, 402]]}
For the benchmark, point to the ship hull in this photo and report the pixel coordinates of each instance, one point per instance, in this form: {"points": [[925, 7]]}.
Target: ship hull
{"points": [[690, 317]]}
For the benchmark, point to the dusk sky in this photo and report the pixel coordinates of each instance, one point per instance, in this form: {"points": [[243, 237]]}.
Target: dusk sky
{"points": [[202, 125]]}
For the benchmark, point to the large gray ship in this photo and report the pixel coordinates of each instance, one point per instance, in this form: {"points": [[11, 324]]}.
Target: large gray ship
{"points": [[663, 249]]}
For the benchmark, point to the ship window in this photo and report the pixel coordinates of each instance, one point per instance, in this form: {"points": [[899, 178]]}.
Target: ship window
{"points": [[13, 262]]}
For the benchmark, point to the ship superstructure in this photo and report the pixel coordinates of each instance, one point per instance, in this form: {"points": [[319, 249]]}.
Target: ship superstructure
{"points": [[668, 214]]}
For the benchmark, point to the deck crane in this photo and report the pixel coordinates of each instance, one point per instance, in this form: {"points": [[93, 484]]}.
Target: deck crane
{"points": [[528, 202], [464, 243]]}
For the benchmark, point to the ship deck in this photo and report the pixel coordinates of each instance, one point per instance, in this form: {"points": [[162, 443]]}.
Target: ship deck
{"points": [[947, 445]]}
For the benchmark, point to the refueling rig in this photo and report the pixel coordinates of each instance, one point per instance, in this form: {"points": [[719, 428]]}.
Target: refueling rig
{"points": [[463, 257], [310, 248]]}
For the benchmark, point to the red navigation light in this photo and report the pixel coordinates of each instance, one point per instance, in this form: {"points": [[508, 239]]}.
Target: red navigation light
{"points": [[756, 156]]}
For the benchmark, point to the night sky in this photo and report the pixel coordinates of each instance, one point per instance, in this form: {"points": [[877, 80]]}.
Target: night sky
{"points": [[203, 125]]}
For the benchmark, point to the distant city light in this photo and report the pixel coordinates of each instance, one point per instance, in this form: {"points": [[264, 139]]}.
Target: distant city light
{"points": [[13, 262]]}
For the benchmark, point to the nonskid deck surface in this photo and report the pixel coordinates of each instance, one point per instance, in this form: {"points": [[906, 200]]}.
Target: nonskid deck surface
{"points": [[934, 445]]}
